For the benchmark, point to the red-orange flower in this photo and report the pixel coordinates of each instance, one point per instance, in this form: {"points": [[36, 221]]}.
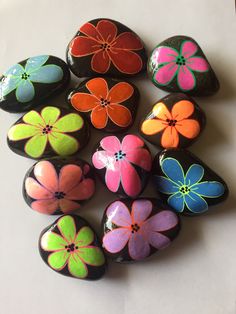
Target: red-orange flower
{"points": [[104, 103], [102, 42], [172, 123]]}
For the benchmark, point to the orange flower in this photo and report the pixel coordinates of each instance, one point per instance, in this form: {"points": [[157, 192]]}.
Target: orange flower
{"points": [[104, 103], [172, 123]]}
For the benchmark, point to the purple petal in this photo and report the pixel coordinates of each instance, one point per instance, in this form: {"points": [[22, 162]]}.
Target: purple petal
{"points": [[119, 214], [138, 246], [115, 240], [141, 210], [162, 221], [158, 240]]}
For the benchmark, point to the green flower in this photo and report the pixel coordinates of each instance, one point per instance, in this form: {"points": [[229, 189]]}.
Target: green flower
{"points": [[71, 248], [47, 127]]}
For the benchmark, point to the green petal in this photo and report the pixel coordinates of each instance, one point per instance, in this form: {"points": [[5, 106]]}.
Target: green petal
{"points": [[51, 241], [36, 146], [50, 114], [34, 118], [92, 255], [72, 122], [84, 237], [63, 144], [58, 260], [67, 228], [76, 267], [21, 131]]}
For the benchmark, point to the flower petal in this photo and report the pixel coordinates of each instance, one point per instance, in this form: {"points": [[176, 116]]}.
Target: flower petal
{"points": [[170, 137], [126, 61], [82, 191], [127, 41], [138, 246], [194, 174], [48, 207], [35, 63], [76, 267], [107, 29], [25, 91], [50, 73], [66, 225], [67, 206], [69, 177], [21, 131], [35, 146], [165, 74], [36, 190], [197, 64], [114, 241], [69, 147], [153, 126], [120, 92], [161, 112], [164, 55], [118, 214], [50, 114], [58, 260], [112, 177], [130, 179], [7, 85], [91, 31], [92, 256], [33, 117], [103, 159], [209, 189], [131, 142], [82, 46], [15, 70], [176, 201], [98, 87], [188, 49], [162, 221], [52, 241], [84, 237], [119, 115], [83, 102], [165, 185], [182, 109], [185, 78], [46, 174], [99, 117], [189, 128], [141, 210], [173, 170], [195, 203], [158, 240], [100, 62], [140, 157], [111, 144], [71, 122]]}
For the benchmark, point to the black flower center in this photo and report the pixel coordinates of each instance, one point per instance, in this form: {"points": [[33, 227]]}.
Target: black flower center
{"points": [[171, 122], [71, 247], [135, 228], [104, 102], [47, 129], [105, 46], [180, 60], [25, 76], [59, 195], [120, 155], [184, 189]]}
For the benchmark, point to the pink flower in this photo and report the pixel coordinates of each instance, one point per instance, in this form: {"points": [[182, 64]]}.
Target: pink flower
{"points": [[170, 63], [136, 229], [58, 193], [118, 158]]}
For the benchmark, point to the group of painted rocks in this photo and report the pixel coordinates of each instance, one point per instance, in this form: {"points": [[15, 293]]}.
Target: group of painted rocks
{"points": [[106, 53]]}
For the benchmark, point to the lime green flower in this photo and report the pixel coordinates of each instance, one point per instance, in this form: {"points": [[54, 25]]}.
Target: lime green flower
{"points": [[71, 248], [47, 127]]}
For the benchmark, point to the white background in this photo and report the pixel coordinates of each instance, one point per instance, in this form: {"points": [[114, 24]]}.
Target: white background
{"points": [[197, 274]]}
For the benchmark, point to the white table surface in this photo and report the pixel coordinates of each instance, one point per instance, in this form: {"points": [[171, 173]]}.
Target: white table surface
{"points": [[197, 274]]}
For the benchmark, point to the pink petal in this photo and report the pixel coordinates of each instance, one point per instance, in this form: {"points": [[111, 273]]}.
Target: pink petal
{"points": [[188, 49], [69, 177], [112, 177], [130, 180], [164, 54], [197, 64], [185, 79], [115, 240], [45, 173], [37, 191], [131, 142], [68, 206], [111, 144], [162, 221], [119, 214], [166, 73], [138, 246], [102, 159], [45, 206], [82, 191], [141, 209], [158, 240], [140, 157]]}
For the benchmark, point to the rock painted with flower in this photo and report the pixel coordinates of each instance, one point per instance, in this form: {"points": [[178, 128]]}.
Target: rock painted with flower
{"points": [[106, 47], [135, 229], [123, 164], [31, 82], [58, 186], [48, 131], [109, 104], [185, 183], [175, 121], [178, 64], [70, 247]]}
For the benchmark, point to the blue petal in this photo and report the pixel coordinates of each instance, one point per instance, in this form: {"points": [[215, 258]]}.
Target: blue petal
{"points": [[47, 74], [176, 201], [25, 91], [173, 169], [15, 70], [7, 85], [35, 63], [209, 189], [165, 185], [195, 203], [194, 174]]}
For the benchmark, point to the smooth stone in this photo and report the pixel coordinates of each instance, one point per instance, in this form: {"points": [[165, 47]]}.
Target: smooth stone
{"points": [[106, 47], [175, 121], [178, 64], [185, 183], [71, 247], [123, 164], [31, 82], [109, 104], [48, 131], [135, 229], [58, 186]]}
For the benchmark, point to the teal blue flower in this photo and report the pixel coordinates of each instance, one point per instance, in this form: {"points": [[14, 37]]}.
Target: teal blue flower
{"points": [[20, 78], [186, 189]]}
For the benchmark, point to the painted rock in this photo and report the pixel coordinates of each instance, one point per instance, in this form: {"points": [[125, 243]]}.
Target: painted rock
{"points": [[104, 46], [70, 247], [31, 82], [175, 121], [123, 164], [48, 131], [135, 229], [185, 183], [58, 186], [109, 104], [179, 65]]}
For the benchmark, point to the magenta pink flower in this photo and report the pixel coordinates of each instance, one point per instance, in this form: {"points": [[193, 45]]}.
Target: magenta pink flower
{"points": [[136, 229], [170, 63], [58, 193], [118, 159]]}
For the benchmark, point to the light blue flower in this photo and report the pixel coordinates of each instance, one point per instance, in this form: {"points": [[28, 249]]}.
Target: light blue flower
{"points": [[186, 189], [20, 78]]}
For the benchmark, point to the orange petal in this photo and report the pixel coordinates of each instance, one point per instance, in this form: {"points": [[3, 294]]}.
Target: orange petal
{"points": [[98, 87], [99, 117], [84, 102], [152, 126], [120, 115], [170, 138], [189, 128], [160, 111], [182, 110], [120, 92]]}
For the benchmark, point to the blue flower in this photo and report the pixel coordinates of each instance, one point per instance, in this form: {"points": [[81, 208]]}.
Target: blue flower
{"points": [[20, 78], [186, 189]]}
